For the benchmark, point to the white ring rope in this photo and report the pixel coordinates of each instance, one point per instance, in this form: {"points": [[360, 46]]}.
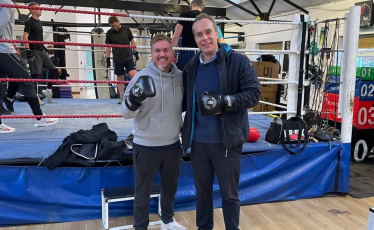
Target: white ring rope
{"points": [[254, 51], [84, 68], [83, 86], [274, 112], [68, 49], [278, 82], [270, 81], [272, 104], [57, 32]]}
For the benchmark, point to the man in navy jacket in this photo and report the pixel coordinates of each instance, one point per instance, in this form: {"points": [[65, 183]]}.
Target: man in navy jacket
{"points": [[219, 85]]}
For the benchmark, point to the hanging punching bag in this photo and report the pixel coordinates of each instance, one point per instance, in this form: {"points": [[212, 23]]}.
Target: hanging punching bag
{"points": [[143, 31], [99, 61]]}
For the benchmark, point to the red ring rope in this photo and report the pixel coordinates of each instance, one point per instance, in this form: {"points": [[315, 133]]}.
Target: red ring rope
{"points": [[62, 10], [60, 116], [59, 81]]}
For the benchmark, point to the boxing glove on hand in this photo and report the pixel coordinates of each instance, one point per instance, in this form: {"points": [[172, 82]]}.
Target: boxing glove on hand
{"points": [[143, 88], [136, 54], [29, 54], [108, 62], [211, 103]]}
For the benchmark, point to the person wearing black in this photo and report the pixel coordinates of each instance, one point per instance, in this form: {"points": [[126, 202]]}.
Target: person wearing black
{"points": [[184, 28], [37, 53], [12, 65], [122, 58], [220, 85]]}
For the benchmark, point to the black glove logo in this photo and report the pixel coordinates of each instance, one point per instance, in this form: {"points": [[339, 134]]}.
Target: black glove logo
{"points": [[138, 90], [209, 102]]}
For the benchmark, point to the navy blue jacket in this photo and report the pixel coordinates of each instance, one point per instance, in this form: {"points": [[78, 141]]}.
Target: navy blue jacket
{"points": [[237, 78]]}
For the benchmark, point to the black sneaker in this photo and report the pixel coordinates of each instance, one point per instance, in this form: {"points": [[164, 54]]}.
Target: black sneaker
{"points": [[9, 104], [4, 111]]}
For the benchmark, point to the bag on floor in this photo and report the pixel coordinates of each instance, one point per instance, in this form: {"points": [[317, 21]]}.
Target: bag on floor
{"points": [[291, 133]]}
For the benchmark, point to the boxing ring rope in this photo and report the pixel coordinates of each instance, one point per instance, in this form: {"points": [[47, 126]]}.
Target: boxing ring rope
{"points": [[254, 51], [83, 86], [58, 81]]}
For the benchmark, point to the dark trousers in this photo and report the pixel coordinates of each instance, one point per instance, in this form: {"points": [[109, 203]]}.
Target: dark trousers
{"points": [[147, 163], [12, 65], [207, 160]]}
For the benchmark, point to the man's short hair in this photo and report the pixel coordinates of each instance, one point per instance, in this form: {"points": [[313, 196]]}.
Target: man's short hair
{"points": [[160, 37], [112, 19], [197, 3], [33, 4], [202, 16]]}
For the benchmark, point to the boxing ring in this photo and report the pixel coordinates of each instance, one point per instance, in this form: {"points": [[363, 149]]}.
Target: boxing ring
{"points": [[31, 194]]}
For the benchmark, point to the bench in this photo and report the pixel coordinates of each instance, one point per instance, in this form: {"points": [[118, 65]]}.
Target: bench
{"points": [[111, 195]]}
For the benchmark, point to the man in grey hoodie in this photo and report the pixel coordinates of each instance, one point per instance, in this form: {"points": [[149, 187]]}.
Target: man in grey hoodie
{"points": [[157, 120]]}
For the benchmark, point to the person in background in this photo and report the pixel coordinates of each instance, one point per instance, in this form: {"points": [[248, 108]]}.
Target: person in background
{"points": [[184, 29], [122, 57], [12, 65], [37, 53]]}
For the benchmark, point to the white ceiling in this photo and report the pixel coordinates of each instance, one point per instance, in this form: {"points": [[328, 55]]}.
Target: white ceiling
{"points": [[235, 13]]}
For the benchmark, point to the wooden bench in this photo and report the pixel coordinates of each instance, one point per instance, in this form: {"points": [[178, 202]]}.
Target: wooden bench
{"points": [[111, 195]]}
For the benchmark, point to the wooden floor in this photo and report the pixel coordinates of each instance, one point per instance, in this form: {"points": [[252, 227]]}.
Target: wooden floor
{"points": [[338, 212]]}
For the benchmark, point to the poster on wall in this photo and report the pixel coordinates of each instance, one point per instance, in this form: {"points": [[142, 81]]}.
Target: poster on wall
{"points": [[366, 14]]}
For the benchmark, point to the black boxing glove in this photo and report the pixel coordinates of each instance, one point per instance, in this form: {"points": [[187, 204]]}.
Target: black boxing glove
{"points": [[211, 103], [108, 64], [136, 54], [143, 88], [29, 54]]}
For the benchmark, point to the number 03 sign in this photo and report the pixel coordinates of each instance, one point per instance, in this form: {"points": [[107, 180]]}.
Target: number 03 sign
{"points": [[366, 115]]}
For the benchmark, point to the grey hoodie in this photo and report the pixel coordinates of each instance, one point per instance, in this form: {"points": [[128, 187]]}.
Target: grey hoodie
{"points": [[159, 119], [6, 26]]}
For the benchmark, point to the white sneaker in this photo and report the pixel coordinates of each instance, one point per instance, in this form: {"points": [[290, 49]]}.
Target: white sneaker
{"points": [[172, 226], [45, 122], [48, 95], [40, 101], [6, 129], [120, 99]]}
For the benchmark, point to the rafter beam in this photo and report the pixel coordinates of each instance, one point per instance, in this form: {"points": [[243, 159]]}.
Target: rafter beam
{"points": [[257, 9], [129, 5], [296, 6], [271, 7], [240, 7]]}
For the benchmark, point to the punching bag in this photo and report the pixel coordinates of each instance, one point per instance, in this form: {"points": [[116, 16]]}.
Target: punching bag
{"points": [[99, 61], [143, 31]]}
